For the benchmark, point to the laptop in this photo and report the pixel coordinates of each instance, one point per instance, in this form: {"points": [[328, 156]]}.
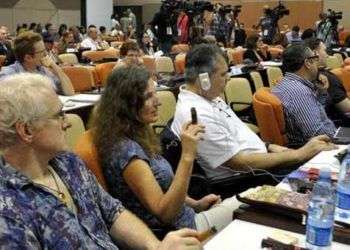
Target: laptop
{"points": [[342, 136]]}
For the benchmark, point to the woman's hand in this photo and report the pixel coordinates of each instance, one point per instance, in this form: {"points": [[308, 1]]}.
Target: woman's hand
{"points": [[190, 135], [206, 202]]}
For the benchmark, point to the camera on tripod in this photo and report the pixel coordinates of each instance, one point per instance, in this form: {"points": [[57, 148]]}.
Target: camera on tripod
{"points": [[278, 12], [334, 16]]}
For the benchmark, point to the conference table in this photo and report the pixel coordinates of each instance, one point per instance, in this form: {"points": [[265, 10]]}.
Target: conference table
{"points": [[250, 226]]}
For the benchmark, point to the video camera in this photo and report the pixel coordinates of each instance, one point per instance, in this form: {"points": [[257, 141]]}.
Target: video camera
{"points": [[192, 9], [278, 12], [334, 16], [226, 9]]}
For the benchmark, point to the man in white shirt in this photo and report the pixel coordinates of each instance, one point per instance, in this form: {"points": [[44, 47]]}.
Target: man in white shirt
{"points": [[93, 41], [228, 144]]}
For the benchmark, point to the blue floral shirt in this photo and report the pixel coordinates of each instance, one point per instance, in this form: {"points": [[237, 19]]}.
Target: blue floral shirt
{"points": [[161, 169], [33, 218]]}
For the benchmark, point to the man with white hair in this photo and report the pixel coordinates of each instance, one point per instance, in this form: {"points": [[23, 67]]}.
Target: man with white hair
{"points": [[48, 199]]}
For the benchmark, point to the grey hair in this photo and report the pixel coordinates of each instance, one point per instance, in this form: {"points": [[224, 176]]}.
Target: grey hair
{"points": [[23, 97], [202, 58]]}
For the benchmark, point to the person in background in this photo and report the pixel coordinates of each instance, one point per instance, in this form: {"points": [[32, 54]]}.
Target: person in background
{"points": [[125, 22], [182, 27], [147, 45], [78, 37], [5, 47], [48, 198], [136, 173], [294, 36], [302, 92], [129, 55], [256, 50], [66, 42], [63, 28], [92, 40], [51, 49], [31, 56], [115, 21], [32, 27], [337, 104], [133, 21]]}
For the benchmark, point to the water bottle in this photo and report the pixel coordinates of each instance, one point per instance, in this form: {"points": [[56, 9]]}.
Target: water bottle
{"points": [[319, 227], [343, 191]]}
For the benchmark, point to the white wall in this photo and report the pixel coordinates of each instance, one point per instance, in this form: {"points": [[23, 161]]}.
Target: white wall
{"points": [[99, 12]]}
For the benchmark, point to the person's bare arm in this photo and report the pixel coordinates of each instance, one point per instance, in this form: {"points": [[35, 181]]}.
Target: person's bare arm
{"points": [[142, 182], [242, 160], [130, 232]]}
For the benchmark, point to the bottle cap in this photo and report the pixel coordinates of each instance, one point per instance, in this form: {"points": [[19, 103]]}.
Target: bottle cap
{"points": [[325, 173]]}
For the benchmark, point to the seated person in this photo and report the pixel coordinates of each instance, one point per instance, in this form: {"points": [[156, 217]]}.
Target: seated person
{"points": [[66, 42], [337, 104], [302, 96], [256, 50], [31, 56], [294, 36], [147, 46], [48, 198], [130, 55], [93, 41], [228, 145], [136, 173], [5, 46]]}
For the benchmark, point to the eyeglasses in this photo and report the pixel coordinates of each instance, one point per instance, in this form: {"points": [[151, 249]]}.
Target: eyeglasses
{"points": [[314, 57], [60, 115]]}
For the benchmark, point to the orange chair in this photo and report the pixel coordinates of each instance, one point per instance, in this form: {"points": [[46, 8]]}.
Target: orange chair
{"points": [[269, 115], [276, 52], [150, 63], [180, 63], [344, 75], [95, 56], [235, 56], [180, 48], [81, 77], [342, 36], [2, 60], [103, 71], [111, 53], [87, 151]]}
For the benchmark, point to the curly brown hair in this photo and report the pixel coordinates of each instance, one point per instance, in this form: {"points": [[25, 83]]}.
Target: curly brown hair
{"points": [[126, 46], [117, 113]]}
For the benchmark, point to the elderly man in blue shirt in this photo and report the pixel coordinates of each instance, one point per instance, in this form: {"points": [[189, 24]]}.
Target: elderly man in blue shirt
{"points": [[32, 57], [48, 199], [302, 92]]}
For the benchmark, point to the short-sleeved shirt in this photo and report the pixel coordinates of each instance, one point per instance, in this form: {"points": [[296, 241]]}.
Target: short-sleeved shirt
{"points": [[17, 67], [119, 160], [225, 134], [33, 218]]}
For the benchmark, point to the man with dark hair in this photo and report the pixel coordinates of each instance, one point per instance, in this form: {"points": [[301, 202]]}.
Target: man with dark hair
{"points": [[294, 36], [31, 56], [337, 104], [302, 93], [5, 47], [228, 144]]}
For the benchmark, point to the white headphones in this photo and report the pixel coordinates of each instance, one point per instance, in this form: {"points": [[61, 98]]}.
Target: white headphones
{"points": [[204, 81]]}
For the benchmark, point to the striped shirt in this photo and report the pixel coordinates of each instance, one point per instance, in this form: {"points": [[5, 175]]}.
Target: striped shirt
{"points": [[303, 110]]}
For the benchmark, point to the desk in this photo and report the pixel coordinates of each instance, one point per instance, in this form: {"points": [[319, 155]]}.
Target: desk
{"points": [[242, 235]]}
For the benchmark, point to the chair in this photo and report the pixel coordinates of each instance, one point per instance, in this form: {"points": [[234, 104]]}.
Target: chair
{"points": [[111, 53], [332, 62], [150, 63], [269, 115], [235, 56], [180, 48], [68, 58], [238, 94], [339, 58], [164, 64], [274, 75], [94, 56], [180, 63], [77, 128], [343, 36], [166, 110], [239, 97], [275, 52], [81, 77], [256, 77], [344, 75], [2, 60], [104, 70], [87, 151]]}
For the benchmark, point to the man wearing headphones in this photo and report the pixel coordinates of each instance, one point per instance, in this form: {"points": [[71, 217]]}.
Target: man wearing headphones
{"points": [[228, 144]]}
